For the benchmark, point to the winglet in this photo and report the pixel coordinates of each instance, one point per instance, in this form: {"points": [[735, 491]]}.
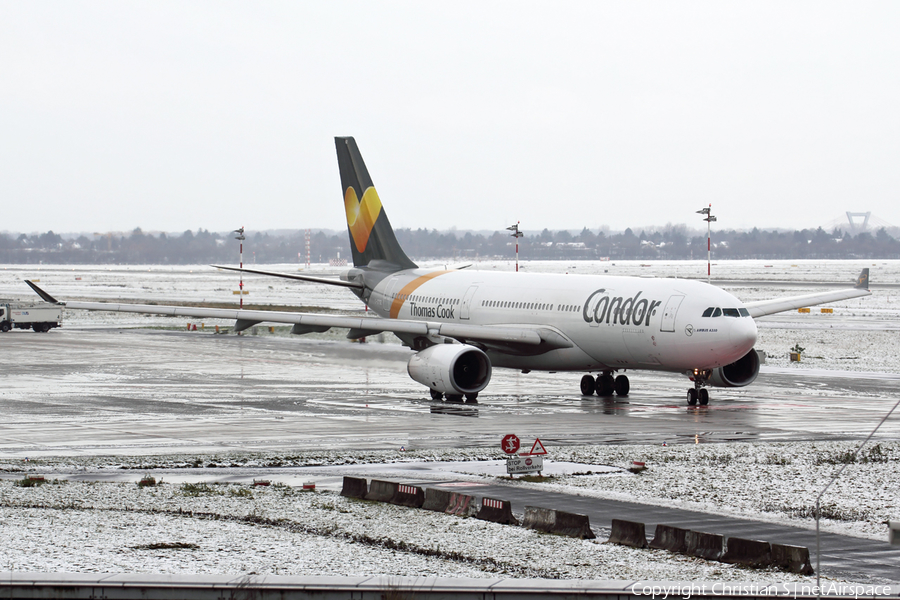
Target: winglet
{"points": [[44, 295], [862, 282]]}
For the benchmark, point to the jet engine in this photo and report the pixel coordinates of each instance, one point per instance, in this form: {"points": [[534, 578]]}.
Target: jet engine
{"points": [[738, 374], [451, 368]]}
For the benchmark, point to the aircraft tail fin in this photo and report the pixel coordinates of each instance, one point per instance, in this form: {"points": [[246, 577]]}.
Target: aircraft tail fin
{"points": [[371, 236], [862, 282]]}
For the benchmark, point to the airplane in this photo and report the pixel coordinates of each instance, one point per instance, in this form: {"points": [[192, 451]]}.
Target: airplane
{"points": [[461, 323]]}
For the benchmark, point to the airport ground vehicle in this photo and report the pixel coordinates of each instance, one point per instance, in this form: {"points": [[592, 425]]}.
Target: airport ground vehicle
{"points": [[39, 316]]}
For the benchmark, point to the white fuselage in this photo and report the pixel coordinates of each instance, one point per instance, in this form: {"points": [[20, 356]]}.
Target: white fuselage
{"points": [[612, 322]]}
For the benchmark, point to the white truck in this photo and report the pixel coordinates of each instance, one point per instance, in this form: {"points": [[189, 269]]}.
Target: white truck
{"points": [[40, 316]]}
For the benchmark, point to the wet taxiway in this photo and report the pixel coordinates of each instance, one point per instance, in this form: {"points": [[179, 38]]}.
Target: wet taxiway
{"points": [[114, 391]]}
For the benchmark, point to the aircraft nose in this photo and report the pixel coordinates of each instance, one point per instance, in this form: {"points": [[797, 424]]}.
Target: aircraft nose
{"points": [[743, 333]]}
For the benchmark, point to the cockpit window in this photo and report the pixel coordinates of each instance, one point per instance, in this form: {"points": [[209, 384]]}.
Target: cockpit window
{"points": [[709, 311], [717, 312], [744, 312], [731, 312]]}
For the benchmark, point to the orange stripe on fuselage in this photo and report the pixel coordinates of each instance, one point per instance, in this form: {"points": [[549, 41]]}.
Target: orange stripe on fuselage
{"points": [[408, 289]]}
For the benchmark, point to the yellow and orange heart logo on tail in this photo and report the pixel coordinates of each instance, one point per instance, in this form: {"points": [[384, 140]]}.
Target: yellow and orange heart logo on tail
{"points": [[361, 215]]}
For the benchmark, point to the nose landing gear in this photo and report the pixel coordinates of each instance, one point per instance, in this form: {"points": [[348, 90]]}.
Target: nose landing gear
{"points": [[698, 393]]}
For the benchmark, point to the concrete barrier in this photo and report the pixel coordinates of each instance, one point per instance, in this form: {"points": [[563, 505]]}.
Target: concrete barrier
{"points": [[355, 487], [436, 500], [541, 519], [574, 525], [408, 495], [496, 511], [710, 546], [628, 533], [381, 491], [669, 538], [751, 553], [792, 558], [462, 505]]}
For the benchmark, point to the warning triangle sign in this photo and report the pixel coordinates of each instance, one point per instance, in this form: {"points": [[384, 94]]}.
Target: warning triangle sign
{"points": [[538, 447]]}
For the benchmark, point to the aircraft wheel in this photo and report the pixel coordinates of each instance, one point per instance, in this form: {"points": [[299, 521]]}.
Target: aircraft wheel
{"points": [[587, 385], [454, 397], [623, 386], [703, 396], [473, 398], [436, 395], [606, 385], [692, 396]]}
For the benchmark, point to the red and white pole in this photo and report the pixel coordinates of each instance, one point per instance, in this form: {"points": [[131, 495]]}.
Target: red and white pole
{"points": [[241, 284], [516, 234], [709, 218], [307, 249], [517, 255], [240, 237], [709, 248]]}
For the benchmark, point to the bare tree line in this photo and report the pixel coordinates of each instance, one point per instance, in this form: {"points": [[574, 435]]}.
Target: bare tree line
{"points": [[670, 243]]}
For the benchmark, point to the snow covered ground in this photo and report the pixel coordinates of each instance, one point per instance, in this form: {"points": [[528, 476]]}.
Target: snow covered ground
{"points": [[112, 527]]}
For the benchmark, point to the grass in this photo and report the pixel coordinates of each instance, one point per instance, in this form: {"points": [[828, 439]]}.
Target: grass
{"points": [[536, 478], [167, 546], [29, 481], [193, 490]]}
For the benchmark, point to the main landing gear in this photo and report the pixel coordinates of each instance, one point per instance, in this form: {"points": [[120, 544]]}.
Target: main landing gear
{"points": [[605, 385]]}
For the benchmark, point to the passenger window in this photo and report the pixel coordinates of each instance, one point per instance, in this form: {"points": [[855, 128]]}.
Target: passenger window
{"points": [[731, 312], [709, 311], [717, 312]]}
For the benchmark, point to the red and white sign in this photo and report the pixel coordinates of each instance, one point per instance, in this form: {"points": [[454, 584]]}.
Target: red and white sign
{"points": [[510, 443], [538, 447], [524, 464]]}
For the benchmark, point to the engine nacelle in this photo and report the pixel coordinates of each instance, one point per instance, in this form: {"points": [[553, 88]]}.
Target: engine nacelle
{"points": [[451, 368], [739, 373]]}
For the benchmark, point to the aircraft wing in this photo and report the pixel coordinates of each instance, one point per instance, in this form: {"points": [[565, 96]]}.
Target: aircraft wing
{"points": [[308, 323], [769, 307]]}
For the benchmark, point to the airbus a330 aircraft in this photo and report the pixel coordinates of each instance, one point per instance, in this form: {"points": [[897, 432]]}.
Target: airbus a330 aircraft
{"points": [[462, 323]]}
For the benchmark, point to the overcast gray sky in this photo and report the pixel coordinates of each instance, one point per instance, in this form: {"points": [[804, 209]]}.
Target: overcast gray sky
{"points": [[172, 116]]}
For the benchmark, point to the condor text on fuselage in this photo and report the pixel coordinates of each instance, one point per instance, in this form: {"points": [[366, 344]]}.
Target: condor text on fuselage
{"points": [[600, 308]]}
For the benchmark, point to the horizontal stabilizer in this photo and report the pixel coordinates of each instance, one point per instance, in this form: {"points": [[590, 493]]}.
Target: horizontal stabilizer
{"points": [[44, 295], [310, 278]]}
